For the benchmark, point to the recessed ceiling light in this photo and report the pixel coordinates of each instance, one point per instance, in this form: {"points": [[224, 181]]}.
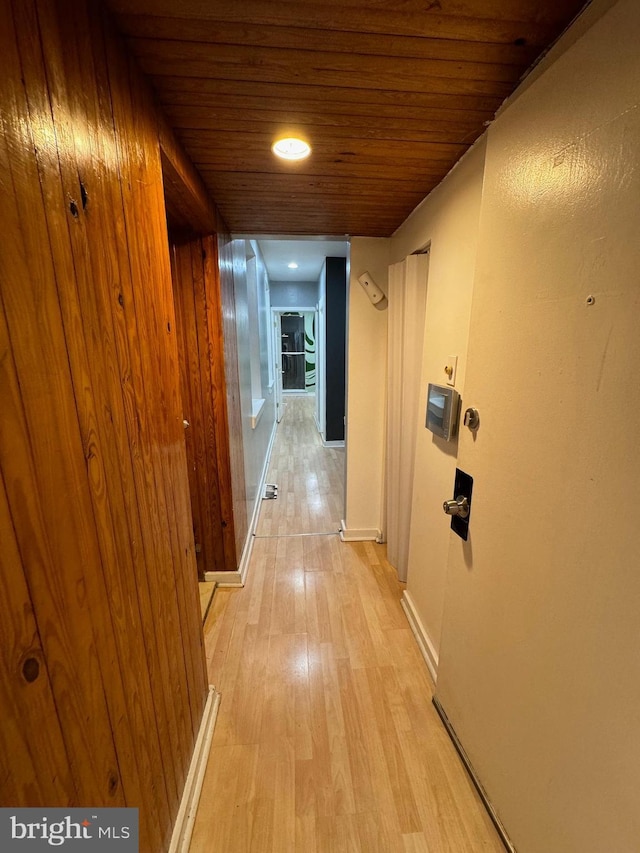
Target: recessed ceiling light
{"points": [[291, 148], [293, 265]]}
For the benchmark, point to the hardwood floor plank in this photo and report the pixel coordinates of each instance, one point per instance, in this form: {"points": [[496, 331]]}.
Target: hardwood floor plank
{"points": [[326, 737]]}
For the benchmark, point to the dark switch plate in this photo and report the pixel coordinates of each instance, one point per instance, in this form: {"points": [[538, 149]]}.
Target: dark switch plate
{"points": [[463, 487]]}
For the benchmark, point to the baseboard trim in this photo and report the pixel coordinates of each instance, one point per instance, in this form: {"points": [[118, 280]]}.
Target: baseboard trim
{"points": [[363, 534], [500, 828], [427, 649], [183, 828], [333, 444], [238, 577], [224, 578]]}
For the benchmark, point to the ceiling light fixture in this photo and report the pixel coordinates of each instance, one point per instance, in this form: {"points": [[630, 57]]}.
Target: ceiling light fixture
{"points": [[293, 265], [291, 148]]}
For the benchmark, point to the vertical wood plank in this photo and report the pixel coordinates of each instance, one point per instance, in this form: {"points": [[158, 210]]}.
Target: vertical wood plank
{"points": [[214, 312], [189, 406], [35, 766], [97, 573], [45, 466], [212, 496], [97, 358], [144, 202], [197, 296], [153, 326]]}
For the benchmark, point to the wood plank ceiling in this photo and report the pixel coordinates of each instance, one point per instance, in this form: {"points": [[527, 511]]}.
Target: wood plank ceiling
{"points": [[389, 94]]}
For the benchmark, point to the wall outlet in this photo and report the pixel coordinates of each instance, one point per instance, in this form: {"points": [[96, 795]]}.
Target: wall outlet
{"points": [[451, 368]]}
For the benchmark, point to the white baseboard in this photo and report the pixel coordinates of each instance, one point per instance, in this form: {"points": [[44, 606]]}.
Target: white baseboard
{"points": [[425, 644], [237, 578], [331, 444], [224, 578], [362, 534], [183, 829]]}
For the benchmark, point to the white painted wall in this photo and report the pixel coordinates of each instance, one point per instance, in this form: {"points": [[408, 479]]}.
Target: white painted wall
{"points": [[539, 667], [366, 392], [447, 221], [252, 325], [407, 299]]}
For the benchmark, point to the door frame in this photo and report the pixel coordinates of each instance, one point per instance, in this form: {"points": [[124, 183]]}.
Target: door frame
{"points": [[276, 315]]}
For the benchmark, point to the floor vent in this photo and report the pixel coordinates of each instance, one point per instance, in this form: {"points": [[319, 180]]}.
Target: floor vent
{"points": [[270, 492]]}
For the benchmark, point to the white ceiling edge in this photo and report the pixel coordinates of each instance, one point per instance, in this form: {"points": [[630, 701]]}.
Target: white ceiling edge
{"points": [[308, 252]]}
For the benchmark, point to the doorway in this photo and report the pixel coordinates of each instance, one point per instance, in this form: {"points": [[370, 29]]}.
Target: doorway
{"points": [[295, 351], [292, 352]]}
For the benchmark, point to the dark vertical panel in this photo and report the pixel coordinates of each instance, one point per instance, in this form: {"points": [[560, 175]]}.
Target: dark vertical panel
{"points": [[203, 388], [215, 545], [190, 406], [219, 408], [336, 320]]}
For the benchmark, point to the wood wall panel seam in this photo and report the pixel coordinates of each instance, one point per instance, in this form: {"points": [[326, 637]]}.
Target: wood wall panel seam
{"points": [[32, 312], [150, 469], [91, 451]]}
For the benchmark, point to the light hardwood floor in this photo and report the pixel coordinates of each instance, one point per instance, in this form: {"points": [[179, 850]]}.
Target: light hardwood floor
{"points": [[326, 739]]}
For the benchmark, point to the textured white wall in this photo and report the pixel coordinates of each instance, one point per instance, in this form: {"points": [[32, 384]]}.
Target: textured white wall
{"points": [[366, 388], [255, 441], [448, 221], [539, 666]]}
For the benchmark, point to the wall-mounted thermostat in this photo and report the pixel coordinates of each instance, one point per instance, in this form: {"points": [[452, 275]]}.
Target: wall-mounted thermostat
{"points": [[443, 406]]}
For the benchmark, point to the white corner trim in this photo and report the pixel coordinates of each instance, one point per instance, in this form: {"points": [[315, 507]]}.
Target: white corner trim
{"points": [[183, 828], [355, 534], [332, 444], [425, 644]]}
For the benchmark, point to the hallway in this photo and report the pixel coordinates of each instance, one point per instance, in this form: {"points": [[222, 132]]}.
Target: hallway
{"points": [[326, 739]]}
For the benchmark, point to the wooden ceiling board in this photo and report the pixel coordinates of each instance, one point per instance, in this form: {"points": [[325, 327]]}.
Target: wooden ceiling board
{"points": [[390, 96]]}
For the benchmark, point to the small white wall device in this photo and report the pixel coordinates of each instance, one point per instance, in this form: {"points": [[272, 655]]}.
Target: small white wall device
{"points": [[443, 405], [372, 290]]}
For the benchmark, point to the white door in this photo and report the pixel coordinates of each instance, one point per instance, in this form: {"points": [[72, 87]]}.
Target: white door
{"points": [[539, 665]]}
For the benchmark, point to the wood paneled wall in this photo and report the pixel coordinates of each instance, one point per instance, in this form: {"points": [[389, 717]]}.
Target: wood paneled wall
{"points": [[196, 284], [102, 679]]}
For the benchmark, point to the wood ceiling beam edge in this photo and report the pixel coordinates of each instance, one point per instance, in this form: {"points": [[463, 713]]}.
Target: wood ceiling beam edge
{"points": [[215, 32], [202, 87], [332, 113], [185, 188], [186, 59], [243, 144], [253, 121], [361, 17]]}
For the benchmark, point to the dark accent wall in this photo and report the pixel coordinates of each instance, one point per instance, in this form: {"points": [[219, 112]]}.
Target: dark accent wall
{"points": [[336, 320], [294, 294]]}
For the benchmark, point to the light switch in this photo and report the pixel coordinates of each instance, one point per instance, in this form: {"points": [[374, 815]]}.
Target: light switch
{"points": [[450, 369]]}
